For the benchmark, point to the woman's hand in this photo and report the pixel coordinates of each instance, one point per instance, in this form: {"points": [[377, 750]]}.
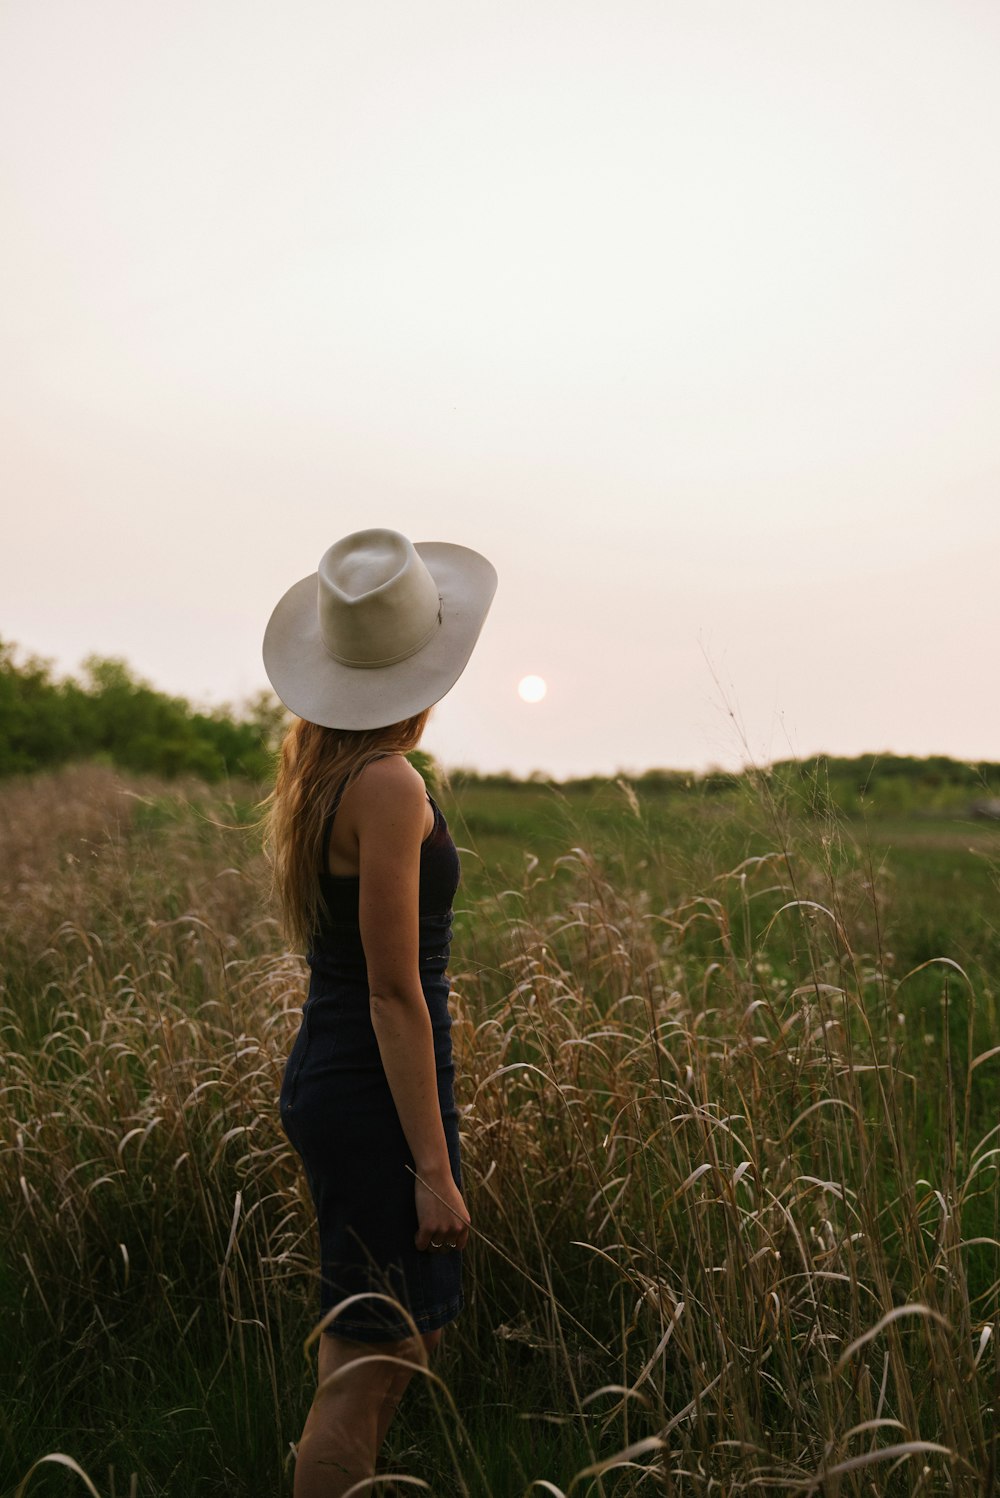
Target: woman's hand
{"points": [[442, 1216]]}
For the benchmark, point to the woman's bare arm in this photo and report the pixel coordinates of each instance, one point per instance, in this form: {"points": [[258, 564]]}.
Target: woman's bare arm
{"points": [[388, 812]]}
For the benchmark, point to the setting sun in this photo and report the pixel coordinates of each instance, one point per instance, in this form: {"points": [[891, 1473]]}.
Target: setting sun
{"points": [[531, 689]]}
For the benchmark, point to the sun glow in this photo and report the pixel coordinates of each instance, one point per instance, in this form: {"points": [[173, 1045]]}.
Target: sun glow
{"points": [[531, 689]]}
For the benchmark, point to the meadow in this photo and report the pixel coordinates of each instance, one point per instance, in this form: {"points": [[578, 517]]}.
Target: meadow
{"points": [[729, 1073]]}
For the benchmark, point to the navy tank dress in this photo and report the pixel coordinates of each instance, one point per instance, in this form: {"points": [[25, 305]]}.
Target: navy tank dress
{"points": [[338, 1112]]}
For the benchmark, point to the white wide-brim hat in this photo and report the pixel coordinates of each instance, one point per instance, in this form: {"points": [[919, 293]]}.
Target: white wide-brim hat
{"points": [[383, 629]]}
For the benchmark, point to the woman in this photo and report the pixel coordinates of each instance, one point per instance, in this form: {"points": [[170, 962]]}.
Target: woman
{"points": [[366, 872]]}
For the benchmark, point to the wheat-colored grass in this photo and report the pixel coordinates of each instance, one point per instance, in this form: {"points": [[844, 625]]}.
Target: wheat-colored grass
{"points": [[709, 1221]]}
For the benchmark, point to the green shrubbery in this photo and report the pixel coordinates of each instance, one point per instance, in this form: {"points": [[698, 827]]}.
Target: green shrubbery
{"points": [[885, 784], [112, 714]]}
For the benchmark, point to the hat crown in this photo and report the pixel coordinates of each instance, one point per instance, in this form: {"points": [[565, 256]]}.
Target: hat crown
{"points": [[377, 602]]}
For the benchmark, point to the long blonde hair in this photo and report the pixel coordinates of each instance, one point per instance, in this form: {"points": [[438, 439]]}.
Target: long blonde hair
{"points": [[316, 765]]}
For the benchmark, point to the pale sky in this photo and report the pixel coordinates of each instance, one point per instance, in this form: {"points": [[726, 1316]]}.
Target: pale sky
{"points": [[687, 315]]}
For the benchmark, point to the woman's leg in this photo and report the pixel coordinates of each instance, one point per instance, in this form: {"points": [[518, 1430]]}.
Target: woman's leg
{"points": [[400, 1378], [349, 1417]]}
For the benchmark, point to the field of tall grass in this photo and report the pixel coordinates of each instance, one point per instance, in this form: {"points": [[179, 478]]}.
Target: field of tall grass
{"points": [[729, 1074]]}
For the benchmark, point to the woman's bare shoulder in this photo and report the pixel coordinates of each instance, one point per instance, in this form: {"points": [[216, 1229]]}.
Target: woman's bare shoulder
{"points": [[384, 806], [390, 779]]}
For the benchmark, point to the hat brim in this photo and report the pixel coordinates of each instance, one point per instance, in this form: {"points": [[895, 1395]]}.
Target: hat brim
{"points": [[315, 686]]}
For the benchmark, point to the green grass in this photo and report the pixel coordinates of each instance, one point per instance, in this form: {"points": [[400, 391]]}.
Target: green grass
{"points": [[727, 1105]]}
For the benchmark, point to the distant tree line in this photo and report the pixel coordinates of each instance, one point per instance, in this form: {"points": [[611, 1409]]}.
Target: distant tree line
{"points": [[111, 714], [881, 782]]}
